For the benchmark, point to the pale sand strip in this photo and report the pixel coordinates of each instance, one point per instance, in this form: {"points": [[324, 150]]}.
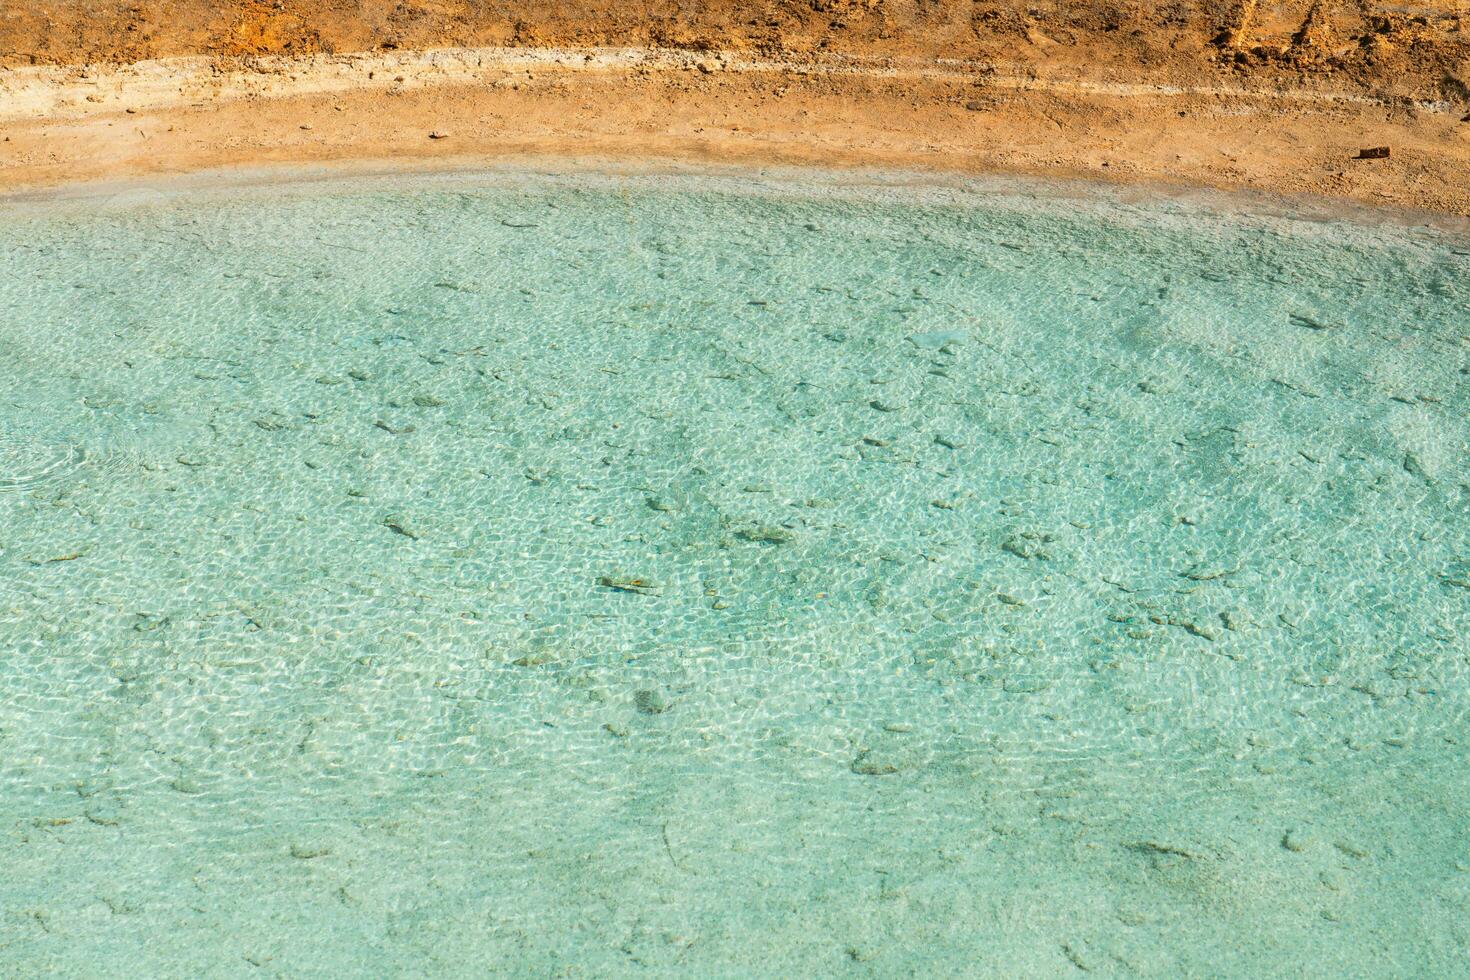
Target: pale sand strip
{"points": [[74, 92]]}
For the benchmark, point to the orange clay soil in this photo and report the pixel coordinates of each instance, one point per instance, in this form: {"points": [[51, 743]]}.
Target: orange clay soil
{"points": [[1233, 93]]}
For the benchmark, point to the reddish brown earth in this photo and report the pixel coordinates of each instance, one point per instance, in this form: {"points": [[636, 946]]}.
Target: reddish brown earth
{"points": [[1233, 93], [1415, 49]]}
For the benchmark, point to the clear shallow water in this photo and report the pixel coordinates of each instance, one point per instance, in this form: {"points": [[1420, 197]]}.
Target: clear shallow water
{"points": [[711, 576]]}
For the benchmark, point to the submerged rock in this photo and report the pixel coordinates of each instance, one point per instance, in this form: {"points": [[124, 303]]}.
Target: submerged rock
{"points": [[1296, 840], [619, 583], [650, 701], [399, 524], [1311, 321], [1030, 545], [939, 339], [869, 763], [891, 752], [765, 534]]}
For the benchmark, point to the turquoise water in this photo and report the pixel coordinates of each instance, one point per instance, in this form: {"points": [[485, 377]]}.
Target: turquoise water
{"points": [[595, 575]]}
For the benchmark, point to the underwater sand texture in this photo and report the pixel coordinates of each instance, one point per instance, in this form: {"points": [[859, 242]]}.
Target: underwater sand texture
{"points": [[673, 575]]}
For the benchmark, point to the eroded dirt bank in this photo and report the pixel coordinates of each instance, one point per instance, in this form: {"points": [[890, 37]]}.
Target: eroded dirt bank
{"points": [[1414, 49], [1238, 94]]}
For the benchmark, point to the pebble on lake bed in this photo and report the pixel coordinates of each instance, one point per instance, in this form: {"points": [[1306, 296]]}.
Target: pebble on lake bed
{"points": [[650, 702], [399, 524], [868, 764], [939, 339], [765, 534], [892, 751], [620, 583]]}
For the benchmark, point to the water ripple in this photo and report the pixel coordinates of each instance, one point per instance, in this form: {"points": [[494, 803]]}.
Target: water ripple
{"points": [[26, 464]]}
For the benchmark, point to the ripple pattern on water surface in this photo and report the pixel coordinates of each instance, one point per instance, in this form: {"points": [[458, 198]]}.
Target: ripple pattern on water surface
{"points": [[605, 555], [24, 465], [101, 449]]}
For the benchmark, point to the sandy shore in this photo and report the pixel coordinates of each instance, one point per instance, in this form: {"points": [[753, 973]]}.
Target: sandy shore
{"points": [[468, 106]]}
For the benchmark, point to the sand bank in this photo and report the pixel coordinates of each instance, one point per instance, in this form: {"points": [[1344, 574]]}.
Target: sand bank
{"points": [[468, 106]]}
